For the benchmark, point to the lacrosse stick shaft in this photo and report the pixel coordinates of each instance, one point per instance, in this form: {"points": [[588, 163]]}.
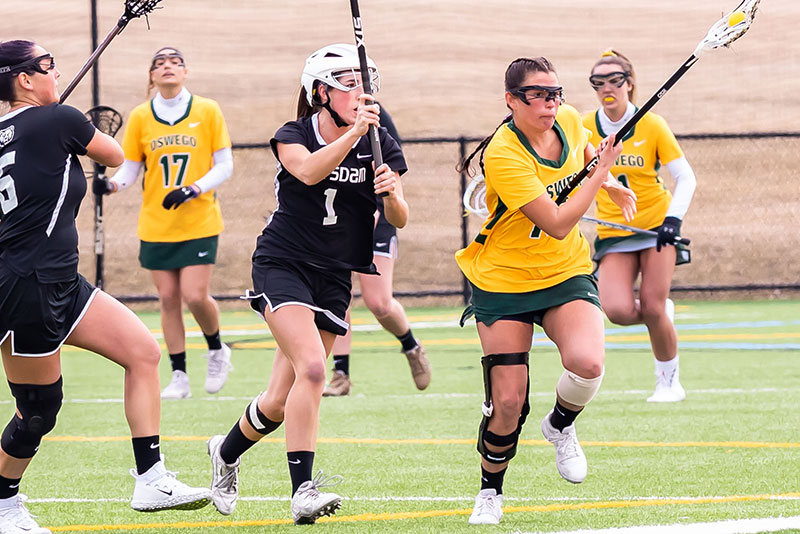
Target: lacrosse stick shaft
{"points": [[99, 236], [92, 60], [366, 80], [628, 126], [650, 233]]}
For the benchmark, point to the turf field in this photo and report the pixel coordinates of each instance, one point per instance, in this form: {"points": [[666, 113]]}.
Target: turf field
{"points": [[730, 451]]}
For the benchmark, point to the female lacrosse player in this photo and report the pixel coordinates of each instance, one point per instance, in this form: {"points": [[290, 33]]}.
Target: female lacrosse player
{"points": [[182, 142], [319, 234], [621, 256], [377, 294], [530, 264], [45, 303]]}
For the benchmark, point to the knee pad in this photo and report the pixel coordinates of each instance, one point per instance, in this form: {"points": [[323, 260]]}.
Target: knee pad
{"points": [[260, 422], [38, 407], [484, 434], [577, 390]]}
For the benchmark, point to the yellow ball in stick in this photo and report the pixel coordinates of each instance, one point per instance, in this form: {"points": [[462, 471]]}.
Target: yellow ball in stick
{"points": [[736, 18]]}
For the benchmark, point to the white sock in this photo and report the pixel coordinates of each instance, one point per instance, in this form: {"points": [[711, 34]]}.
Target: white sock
{"points": [[667, 369]]}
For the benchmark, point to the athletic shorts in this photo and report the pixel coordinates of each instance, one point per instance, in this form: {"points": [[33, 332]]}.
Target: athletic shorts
{"points": [[39, 316], [530, 307], [279, 282], [169, 256], [384, 239]]}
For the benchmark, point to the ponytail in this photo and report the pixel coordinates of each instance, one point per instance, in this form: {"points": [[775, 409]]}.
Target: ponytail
{"points": [[465, 165]]}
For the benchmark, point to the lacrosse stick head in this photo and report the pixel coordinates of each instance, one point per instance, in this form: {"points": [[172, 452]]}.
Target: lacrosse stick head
{"points": [[730, 27], [475, 197], [106, 119], [138, 8]]}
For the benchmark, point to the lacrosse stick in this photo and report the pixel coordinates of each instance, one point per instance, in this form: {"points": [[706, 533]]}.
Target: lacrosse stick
{"points": [[475, 202], [133, 9], [366, 80], [107, 120], [724, 32], [677, 240]]}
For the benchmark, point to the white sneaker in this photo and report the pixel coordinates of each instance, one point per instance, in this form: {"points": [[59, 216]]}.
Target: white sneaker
{"points": [[668, 388], [570, 460], [16, 519], [178, 388], [158, 489], [224, 478], [488, 508], [309, 504], [219, 363]]}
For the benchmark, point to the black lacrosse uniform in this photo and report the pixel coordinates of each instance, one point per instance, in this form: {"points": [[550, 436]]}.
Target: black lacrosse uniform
{"points": [[384, 239], [319, 234], [42, 296]]}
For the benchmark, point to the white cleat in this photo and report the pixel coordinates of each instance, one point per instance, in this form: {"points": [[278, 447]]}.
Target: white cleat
{"points": [[159, 489], [668, 389], [16, 519], [309, 504], [488, 508], [570, 460], [224, 478], [178, 388], [219, 363]]}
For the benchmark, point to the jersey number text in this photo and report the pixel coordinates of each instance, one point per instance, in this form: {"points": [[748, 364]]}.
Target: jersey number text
{"points": [[8, 194], [179, 160]]}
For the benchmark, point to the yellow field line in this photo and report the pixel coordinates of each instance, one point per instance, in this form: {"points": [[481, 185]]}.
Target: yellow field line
{"points": [[391, 516], [458, 441]]}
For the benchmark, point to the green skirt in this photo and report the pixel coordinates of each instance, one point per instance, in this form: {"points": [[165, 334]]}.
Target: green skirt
{"points": [[169, 256]]}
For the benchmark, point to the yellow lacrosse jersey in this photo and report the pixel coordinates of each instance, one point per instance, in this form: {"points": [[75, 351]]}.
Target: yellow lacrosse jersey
{"points": [[510, 254], [649, 145], [176, 156]]}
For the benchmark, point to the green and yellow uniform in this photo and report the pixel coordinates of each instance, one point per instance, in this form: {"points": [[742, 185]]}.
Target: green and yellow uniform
{"points": [[175, 156], [510, 254], [648, 146]]}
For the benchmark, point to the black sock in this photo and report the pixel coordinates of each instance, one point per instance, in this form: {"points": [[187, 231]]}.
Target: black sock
{"points": [[341, 363], [147, 452], [214, 342], [300, 465], [408, 340], [178, 361], [8, 487], [492, 480], [563, 417], [236, 443]]}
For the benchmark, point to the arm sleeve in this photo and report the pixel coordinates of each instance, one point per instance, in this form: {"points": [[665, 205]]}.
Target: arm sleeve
{"points": [[221, 171], [127, 174], [76, 129], [514, 182], [685, 183]]}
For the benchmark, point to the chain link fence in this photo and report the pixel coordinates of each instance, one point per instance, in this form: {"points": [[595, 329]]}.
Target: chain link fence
{"points": [[742, 221]]}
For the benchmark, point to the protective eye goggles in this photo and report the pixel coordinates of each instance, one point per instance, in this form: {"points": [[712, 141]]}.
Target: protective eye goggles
{"points": [[350, 79], [617, 79], [535, 92], [176, 58], [34, 64]]}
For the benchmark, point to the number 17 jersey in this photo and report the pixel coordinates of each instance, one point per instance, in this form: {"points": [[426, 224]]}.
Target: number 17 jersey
{"points": [[328, 224]]}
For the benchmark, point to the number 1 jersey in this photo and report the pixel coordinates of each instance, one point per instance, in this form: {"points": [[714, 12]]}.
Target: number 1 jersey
{"points": [[328, 224]]}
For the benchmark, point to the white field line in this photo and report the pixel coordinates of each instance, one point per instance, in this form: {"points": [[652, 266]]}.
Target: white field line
{"points": [[735, 526], [425, 396], [409, 498]]}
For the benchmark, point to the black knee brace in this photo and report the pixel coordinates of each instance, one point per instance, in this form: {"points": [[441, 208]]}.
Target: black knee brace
{"points": [[484, 434], [260, 422], [38, 407]]}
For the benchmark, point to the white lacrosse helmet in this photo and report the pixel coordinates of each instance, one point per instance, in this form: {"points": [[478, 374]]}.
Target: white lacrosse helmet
{"points": [[331, 62]]}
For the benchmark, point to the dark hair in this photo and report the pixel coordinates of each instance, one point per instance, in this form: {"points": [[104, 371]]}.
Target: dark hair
{"points": [[612, 57], [515, 77], [13, 53], [304, 109]]}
